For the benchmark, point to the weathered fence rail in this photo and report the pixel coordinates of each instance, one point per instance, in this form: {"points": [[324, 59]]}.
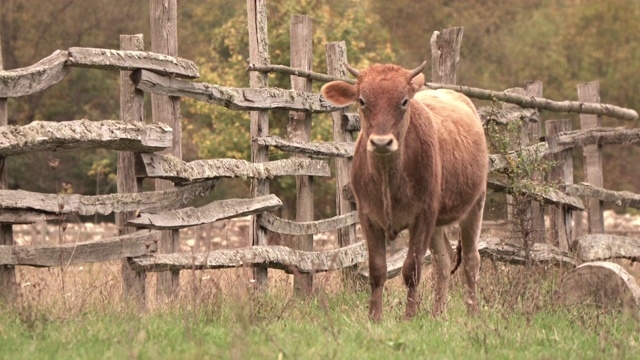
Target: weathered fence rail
{"points": [[165, 77]]}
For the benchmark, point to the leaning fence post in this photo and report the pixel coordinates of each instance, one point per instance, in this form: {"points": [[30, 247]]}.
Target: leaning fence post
{"points": [[131, 110], [590, 92], [299, 129], [258, 54], [7, 272], [560, 217], [336, 60], [166, 109]]}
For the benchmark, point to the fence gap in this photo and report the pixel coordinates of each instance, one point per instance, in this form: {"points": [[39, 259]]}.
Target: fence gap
{"points": [[336, 53], [131, 110], [7, 272], [258, 54], [592, 157], [166, 109], [536, 211], [299, 129], [560, 217]]}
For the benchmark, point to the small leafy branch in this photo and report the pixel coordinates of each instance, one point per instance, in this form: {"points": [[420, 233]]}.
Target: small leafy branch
{"points": [[524, 177]]}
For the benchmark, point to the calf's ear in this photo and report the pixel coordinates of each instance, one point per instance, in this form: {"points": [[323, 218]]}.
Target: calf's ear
{"points": [[417, 82], [339, 93]]}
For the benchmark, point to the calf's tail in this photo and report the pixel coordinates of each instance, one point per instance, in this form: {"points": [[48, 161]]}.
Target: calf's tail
{"points": [[458, 258]]}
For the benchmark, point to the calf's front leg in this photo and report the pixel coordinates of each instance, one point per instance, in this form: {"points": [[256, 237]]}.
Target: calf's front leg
{"points": [[377, 251]]}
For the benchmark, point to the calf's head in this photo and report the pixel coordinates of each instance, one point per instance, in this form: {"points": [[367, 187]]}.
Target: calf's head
{"points": [[384, 94]]}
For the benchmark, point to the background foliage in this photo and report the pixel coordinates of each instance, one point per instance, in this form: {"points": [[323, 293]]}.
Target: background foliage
{"points": [[561, 43]]}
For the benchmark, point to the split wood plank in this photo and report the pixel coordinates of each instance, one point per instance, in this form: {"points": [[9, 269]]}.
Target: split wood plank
{"points": [[105, 204], [171, 168], [35, 78], [595, 247], [275, 257], [594, 136], [282, 226], [83, 134], [135, 244], [252, 99], [217, 210], [315, 149], [19, 216], [551, 196], [620, 198], [132, 60]]}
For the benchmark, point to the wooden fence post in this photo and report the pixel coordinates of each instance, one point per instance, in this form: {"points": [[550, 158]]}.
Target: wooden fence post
{"points": [[166, 109], [445, 54], [131, 110], [258, 54], [590, 92], [536, 211], [299, 129], [336, 59], [7, 272], [560, 216]]}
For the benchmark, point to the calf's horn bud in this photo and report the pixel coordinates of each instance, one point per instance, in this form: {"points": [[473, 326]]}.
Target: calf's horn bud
{"points": [[352, 70], [417, 70]]}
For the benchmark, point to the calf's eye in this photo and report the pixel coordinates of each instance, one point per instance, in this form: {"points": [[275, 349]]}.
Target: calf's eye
{"points": [[405, 102], [361, 101]]}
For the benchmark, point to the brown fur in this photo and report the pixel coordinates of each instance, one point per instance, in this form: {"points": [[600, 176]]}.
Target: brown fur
{"points": [[417, 167]]}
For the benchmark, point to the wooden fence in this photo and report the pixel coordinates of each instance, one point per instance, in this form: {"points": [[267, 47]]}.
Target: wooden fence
{"points": [[152, 150]]}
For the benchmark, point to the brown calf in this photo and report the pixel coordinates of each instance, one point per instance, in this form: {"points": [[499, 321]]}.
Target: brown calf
{"points": [[420, 163]]}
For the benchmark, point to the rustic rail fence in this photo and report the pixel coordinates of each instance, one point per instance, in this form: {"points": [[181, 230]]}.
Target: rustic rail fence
{"points": [[153, 151]]}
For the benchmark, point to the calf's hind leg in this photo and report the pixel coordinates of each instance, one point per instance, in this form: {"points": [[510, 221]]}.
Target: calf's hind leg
{"points": [[442, 261], [470, 228]]}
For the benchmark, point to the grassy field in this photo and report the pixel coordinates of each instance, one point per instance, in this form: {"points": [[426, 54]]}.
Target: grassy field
{"points": [[75, 314]]}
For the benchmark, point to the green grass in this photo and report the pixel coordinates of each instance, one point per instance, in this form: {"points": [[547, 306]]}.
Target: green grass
{"points": [[518, 321]]}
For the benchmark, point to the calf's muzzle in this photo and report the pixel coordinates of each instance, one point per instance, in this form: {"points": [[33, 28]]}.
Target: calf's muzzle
{"points": [[382, 144]]}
